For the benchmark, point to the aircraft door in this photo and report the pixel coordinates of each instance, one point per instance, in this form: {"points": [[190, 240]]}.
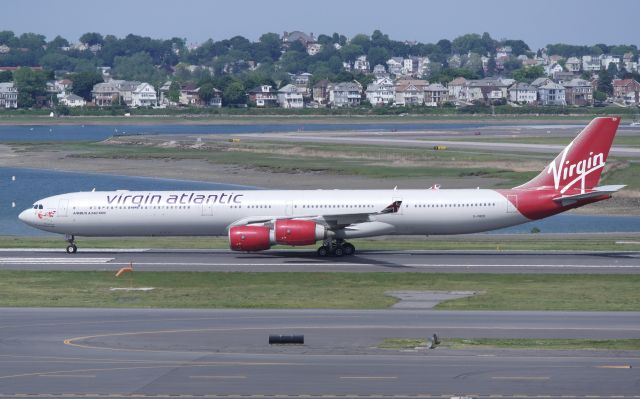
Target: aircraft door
{"points": [[63, 208]]}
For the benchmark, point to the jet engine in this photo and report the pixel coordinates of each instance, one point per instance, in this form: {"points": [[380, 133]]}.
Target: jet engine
{"points": [[286, 232]]}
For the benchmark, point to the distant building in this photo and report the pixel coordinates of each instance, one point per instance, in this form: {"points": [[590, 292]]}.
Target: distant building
{"points": [[105, 94], [381, 92], [144, 95], [394, 65], [626, 90], [523, 93], [345, 94], [321, 92], [590, 63], [573, 64], [379, 71], [263, 96], [290, 96], [578, 92], [456, 87], [361, 64], [72, 101], [410, 92], [552, 94], [435, 94], [8, 95]]}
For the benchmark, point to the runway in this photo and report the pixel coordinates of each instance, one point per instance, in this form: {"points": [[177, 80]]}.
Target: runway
{"points": [[224, 354], [307, 261]]}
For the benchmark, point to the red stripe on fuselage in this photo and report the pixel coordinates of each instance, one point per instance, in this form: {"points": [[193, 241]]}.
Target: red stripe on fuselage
{"points": [[538, 204]]}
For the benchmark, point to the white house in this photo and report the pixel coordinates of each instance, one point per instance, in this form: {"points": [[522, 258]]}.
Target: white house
{"points": [[8, 95], [144, 95], [456, 87], [72, 101], [381, 92], [394, 65], [523, 93], [552, 94], [590, 63], [410, 92], [552, 69], [345, 94], [573, 64], [605, 60], [361, 64], [435, 94], [290, 96]]}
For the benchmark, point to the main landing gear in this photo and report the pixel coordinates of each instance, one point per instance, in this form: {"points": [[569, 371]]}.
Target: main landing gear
{"points": [[71, 248], [336, 248]]}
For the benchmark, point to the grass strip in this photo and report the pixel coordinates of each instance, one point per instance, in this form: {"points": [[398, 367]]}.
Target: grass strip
{"points": [[516, 343], [520, 242], [316, 290]]}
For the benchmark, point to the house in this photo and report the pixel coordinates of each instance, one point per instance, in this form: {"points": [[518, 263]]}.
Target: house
{"points": [[563, 77], [290, 96], [361, 64], [8, 95], [409, 65], [606, 59], [125, 89], [627, 90], [189, 94], [590, 63], [629, 63], [144, 95], [296, 35], [424, 66], [410, 92], [4, 49], [394, 65], [345, 94], [435, 94], [504, 51], [552, 69], [105, 94], [301, 80], [379, 71], [486, 90], [573, 64], [455, 89], [578, 92], [381, 92], [313, 48], [540, 82], [72, 101], [321, 92], [263, 96], [552, 94], [523, 93]]}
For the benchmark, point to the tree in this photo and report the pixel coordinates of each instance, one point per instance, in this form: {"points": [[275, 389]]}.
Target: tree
{"points": [[518, 47], [92, 38], [138, 67], [6, 76], [350, 52], [491, 66], [83, 83], [58, 42], [605, 82], [174, 92], [234, 94], [444, 46], [31, 85], [271, 45], [528, 74], [206, 92], [377, 55], [32, 41]]}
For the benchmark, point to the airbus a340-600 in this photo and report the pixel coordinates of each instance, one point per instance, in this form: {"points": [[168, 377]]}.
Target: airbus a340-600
{"points": [[258, 219]]}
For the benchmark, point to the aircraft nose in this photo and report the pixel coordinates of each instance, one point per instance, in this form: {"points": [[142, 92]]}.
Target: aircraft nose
{"points": [[24, 216]]}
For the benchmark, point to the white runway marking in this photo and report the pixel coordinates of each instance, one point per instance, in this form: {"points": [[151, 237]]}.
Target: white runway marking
{"points": [[57, 261]]}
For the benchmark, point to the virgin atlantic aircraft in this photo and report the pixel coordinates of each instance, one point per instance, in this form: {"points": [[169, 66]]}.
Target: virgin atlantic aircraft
{"points": [[255, 220]]}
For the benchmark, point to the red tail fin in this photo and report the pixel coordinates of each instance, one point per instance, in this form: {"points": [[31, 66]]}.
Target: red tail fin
{"points": [[580, 164]]}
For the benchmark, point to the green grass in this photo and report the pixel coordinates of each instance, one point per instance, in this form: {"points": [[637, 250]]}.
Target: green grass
{"points": [[317, 290], [520, 242], [517, 343]]}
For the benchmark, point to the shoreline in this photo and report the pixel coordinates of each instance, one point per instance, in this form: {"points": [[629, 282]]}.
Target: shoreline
{"points": [[8, 120]]}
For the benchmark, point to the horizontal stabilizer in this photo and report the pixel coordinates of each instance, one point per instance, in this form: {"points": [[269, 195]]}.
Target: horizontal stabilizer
{"points": [[596, 192]]}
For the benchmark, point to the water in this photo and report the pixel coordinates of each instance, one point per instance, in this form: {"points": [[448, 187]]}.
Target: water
{"points": [[28, 133], [33, 184]]}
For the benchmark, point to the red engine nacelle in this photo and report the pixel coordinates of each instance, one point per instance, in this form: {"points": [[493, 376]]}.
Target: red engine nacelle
{"points": [[298, 232], [249, 238]]}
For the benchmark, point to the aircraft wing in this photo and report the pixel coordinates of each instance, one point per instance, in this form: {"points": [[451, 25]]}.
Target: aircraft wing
{"points": [[331, 220]]}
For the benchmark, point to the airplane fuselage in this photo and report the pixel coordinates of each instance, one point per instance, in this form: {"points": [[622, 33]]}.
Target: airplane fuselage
{"points": [[210, 213]]}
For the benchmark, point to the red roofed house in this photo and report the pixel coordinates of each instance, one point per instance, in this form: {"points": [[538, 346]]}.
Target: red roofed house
{"points": [[627, 90]]}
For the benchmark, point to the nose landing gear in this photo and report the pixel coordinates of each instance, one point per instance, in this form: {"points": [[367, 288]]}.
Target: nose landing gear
{"points": [[71, 248], [336, 247]]}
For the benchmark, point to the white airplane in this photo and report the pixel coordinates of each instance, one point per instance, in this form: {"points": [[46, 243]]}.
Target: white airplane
{"points": [[256, 220]]}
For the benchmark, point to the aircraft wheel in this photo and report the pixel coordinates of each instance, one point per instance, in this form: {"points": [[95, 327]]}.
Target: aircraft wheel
{"points": [[323, 251], [72, 249], [348, 249], [338, 251]]}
